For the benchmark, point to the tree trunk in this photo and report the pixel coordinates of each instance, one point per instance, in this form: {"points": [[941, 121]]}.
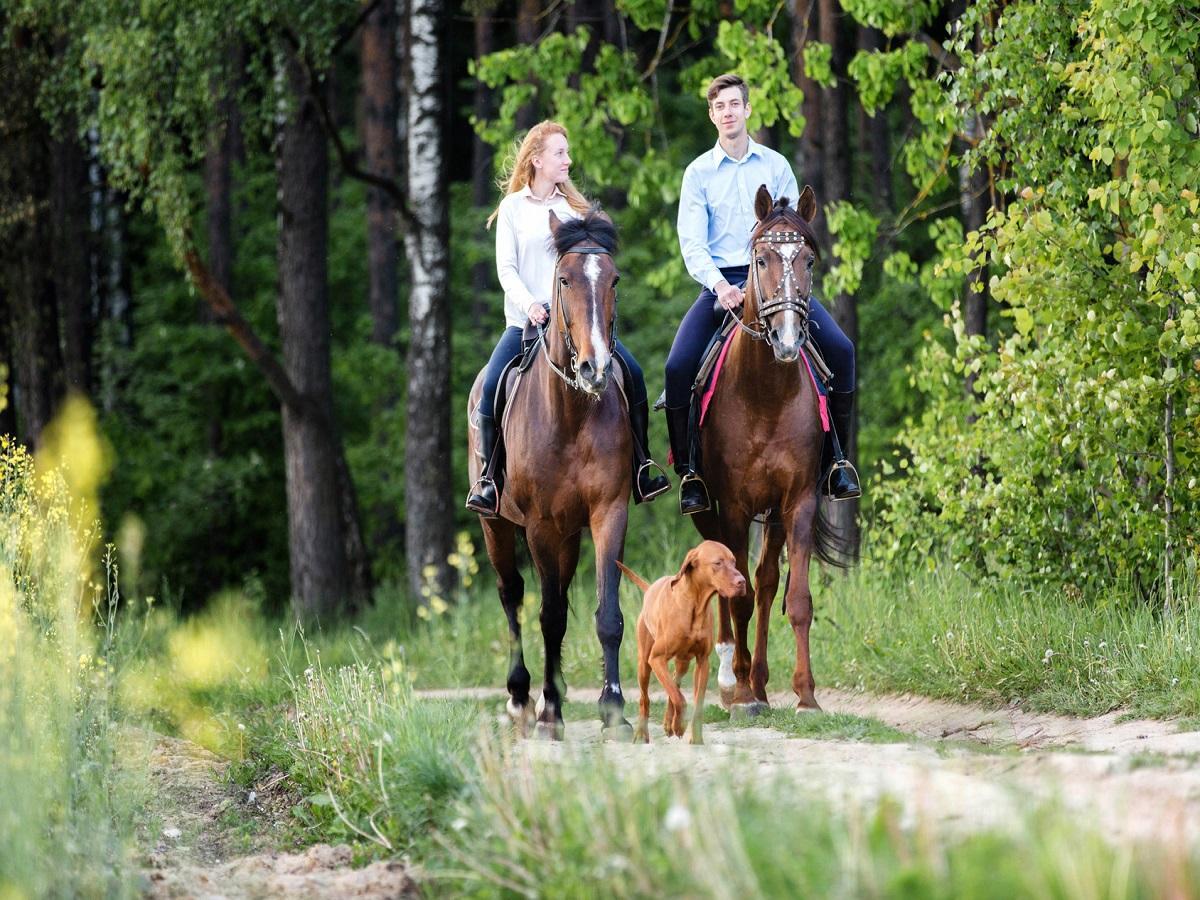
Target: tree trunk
{"points": [[809, 154], [428, 511], [70, 255], [322, 571], [482, 186], [528, 25], [874, 139], [8, 419], [379, 145], [836, 149]]}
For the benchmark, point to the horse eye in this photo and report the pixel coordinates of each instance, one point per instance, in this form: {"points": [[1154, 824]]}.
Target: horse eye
{"points": [[762, 263], [563, 281], [616, 279], [811, 260]]}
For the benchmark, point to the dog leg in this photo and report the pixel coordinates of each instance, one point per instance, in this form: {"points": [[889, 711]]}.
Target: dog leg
{"points": [[674, 695], [642, 734], [700, 683]]}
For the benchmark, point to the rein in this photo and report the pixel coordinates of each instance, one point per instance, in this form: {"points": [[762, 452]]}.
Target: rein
{"points": [[778, 301], [565, 324]]}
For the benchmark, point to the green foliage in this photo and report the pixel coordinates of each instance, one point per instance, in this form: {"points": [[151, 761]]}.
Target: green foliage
{"points": [[855, 231], [1057, 467], [876, 73], [893, 17]]}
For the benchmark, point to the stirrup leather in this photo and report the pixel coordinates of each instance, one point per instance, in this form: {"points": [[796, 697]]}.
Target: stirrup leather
{"points": [[650, 464], [841, 465]]}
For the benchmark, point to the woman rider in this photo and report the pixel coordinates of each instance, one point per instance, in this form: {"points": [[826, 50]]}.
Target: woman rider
{"points": [[525, 263]]}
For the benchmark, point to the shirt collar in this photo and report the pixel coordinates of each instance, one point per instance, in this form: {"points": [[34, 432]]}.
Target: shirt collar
{"points": [[527, 191], [718, 152]]}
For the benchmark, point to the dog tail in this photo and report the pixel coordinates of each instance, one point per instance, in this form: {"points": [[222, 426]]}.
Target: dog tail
{"points": [[632, 576]]}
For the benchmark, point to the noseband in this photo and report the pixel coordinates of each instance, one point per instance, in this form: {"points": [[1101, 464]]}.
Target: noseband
{"points": [[782, 299], [564, 326]]}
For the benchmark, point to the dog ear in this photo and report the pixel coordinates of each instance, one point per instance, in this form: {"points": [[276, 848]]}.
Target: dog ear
{"points": [[762, 202], [807, 204], [689, 563]]}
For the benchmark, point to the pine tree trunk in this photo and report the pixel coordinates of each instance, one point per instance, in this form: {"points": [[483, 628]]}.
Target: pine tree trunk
{"points": [[428, 510], [836, 147], [528, 25], [322, 572], [809, 154], [379, 145], [873, 137], [70, 254], [482, 185]]}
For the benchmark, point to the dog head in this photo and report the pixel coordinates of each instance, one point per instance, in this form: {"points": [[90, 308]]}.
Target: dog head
{"points": [[713, 562]]}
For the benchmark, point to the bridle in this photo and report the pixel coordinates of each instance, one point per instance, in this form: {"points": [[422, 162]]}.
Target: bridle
{"points": [[782, 299], [564, 326]]}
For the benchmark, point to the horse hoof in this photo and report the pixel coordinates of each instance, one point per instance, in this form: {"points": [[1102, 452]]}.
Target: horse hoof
{"points": [[549, 731], [520, 717], [750, 710], [727, 695], [621, 732], [808, 706]]}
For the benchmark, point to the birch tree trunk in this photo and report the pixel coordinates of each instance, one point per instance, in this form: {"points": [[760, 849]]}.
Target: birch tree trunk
{"points": [[428, 510]]}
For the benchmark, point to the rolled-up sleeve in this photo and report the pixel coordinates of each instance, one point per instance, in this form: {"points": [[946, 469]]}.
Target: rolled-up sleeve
{"points": [[517, 298], [692, 226]]}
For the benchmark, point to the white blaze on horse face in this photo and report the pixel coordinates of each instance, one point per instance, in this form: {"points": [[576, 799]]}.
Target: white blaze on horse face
{"points": [[591, 269]]}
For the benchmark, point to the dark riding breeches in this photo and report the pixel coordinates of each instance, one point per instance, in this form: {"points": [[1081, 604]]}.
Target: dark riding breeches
{"points": [[702, 321], [509, 347]]}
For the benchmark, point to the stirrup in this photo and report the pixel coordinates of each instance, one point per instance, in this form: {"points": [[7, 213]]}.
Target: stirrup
{"points": [[661, 471], [683, 483], [477, 490], [842, 465]]}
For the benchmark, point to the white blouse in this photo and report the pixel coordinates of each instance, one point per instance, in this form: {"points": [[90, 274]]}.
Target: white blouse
{"points": [[524, 255]]}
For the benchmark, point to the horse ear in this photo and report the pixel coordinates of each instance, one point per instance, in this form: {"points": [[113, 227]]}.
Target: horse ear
{"points": [[807, 204], [762, 203], [555, 222]]}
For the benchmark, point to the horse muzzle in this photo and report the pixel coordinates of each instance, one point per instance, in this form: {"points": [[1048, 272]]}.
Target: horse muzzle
{"points": [[593, 378]]}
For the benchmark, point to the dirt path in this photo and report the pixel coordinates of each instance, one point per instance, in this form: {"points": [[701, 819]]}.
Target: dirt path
{"points": [[966, 766], [214, 839]]}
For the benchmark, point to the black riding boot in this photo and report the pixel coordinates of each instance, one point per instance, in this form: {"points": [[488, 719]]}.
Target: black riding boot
{"points": [[842, 480], [647, 484], [693, 495], [485, 497]]}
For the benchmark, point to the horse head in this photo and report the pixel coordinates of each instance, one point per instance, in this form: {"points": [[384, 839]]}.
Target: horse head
{"points": [[783, 250], [584, 308]]}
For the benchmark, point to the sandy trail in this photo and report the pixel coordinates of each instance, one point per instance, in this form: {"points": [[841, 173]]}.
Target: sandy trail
{"points": [[200, 853], [967, 767]]}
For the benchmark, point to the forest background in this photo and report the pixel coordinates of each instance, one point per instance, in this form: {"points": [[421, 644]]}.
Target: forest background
{"points": [[251, 234]]}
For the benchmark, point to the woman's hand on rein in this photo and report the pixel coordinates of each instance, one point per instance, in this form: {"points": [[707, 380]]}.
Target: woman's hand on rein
{"points": [[537, 314]]}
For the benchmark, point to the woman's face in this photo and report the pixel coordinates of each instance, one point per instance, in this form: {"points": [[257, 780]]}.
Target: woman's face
{"points": [[554, 162]]}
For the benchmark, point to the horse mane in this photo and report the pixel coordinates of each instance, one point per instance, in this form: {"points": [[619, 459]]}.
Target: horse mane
{"points": [[593, 225], [783, 212]]}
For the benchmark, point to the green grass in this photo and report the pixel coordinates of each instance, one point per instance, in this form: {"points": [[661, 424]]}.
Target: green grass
{"points": [[934, 633], [832, 726]]}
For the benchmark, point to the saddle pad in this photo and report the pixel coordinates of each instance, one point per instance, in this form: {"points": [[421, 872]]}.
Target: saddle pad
{"points": [[706, 385]]}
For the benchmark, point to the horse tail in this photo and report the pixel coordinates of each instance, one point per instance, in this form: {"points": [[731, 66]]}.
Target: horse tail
{"points": [[632, 576], [830, 547]]}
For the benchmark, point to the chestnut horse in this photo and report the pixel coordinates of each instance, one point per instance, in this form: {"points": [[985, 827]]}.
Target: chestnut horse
{"points": [[761, 449], [568, 444]]}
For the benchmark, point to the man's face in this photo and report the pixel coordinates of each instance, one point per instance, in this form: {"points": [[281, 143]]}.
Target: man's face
{"points": [[729, 113]]}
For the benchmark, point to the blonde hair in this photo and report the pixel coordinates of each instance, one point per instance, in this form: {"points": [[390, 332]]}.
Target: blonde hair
{"points": [[519, 171]]}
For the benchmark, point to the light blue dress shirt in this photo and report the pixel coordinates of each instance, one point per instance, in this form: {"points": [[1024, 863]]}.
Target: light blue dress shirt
{"points": [[716, 207]]}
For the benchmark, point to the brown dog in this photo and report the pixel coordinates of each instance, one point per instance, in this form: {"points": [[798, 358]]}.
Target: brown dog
{"points": [[676, 624]]}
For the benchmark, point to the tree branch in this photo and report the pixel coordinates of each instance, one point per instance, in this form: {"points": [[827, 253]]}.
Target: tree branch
{"points": [[352, 29]]}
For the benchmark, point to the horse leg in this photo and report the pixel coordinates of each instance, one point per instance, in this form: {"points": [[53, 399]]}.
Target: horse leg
{"points": [[544, 545], [499, 536], [709, 527], [608, 535], [766, 582], [700, 684], [798, 600], [742, 608]]}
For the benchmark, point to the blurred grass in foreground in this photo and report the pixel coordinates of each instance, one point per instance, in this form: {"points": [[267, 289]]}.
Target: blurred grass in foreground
{"points": [[70, 782]]}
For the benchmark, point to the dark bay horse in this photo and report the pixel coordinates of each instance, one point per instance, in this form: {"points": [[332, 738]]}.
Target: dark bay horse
{"points": [[568, 444], [761, 447]]}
